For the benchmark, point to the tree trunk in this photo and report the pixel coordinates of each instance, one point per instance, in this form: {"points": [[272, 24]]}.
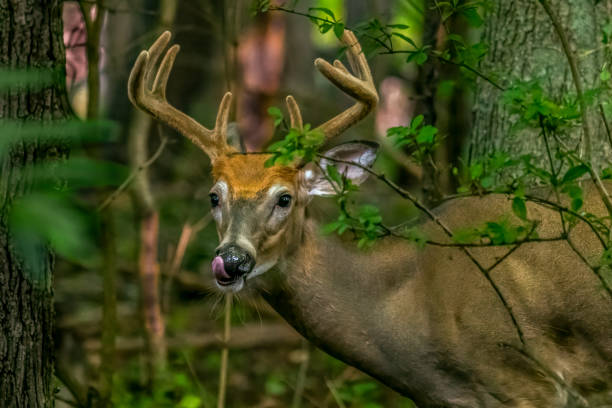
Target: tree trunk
{"points": [[30, 38], [523, 44]]}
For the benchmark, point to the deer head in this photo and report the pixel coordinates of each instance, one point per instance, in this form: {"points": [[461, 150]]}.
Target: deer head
{"points": [[259, 210]]}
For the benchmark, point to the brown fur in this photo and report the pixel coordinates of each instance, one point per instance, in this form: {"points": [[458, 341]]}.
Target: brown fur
{"points": [[248, 176]]}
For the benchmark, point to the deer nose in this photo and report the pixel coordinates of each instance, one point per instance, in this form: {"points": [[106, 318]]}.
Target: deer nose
{"points": [[236, 261]]}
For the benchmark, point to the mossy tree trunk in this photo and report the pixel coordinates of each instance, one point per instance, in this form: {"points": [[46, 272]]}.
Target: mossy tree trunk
{"points": [[30, 38], [524, 45]]}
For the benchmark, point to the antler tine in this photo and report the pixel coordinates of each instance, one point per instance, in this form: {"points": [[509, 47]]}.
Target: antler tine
{"points": [[153, 101], [359, 86], [295, 116]]}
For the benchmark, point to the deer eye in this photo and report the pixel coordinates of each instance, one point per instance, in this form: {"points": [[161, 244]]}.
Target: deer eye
{"points": [[214, 199], [284, 201]]}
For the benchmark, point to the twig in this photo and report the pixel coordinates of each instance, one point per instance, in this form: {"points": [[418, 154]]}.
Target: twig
{"points": [[595, 269], [65, 376], [606, 124], [488, 244], [126, 183], [451, 62], [227, 325], [193, 373], [334, 393], [301, 377], [389, 49], [177, 259], [555, 206], [601, 189], [573, 63]]}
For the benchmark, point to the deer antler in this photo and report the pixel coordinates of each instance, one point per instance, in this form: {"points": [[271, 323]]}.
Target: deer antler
{"points": [[153, 100], [359, 86]]}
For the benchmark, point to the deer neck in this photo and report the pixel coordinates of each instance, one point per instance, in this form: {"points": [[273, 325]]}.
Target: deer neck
{"points": [[339, 296]]}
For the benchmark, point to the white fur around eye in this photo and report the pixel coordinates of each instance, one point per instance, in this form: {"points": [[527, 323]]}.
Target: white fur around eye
{"points": [[221, 189]]}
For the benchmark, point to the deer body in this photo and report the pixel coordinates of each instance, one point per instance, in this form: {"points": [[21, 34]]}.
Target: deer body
{"points": [[428, 324], [524, 326]]}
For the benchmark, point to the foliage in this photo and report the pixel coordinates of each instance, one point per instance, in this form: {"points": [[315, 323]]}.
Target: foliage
{"points": [[420, 139], [298, 144]]}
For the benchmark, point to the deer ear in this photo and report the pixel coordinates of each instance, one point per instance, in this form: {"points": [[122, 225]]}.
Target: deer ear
{"points": [[362, 153]]}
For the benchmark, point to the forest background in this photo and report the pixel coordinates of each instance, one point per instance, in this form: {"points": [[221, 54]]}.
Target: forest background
{"points": [[105, 230]]}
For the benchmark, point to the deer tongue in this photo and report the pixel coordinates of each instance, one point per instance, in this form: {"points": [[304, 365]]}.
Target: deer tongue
{"points": [[218, 269]]}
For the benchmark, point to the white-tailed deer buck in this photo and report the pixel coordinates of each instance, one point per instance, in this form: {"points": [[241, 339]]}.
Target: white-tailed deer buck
{"points": [[524, 325]]}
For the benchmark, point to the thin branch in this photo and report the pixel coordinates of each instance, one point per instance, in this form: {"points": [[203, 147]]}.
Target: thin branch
{"points": [[334, 393], [601, 189], [606, 124], [75, 388], [489, 245], [559, 207], [472, 70], [595, 269], [301, 377], [175, 264], [573, 63], [389, 49], [126, 183], [227, 325]]}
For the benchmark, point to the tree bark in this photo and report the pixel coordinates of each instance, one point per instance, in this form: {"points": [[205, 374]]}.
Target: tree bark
{"points": [[30, 38], [523, 44]]}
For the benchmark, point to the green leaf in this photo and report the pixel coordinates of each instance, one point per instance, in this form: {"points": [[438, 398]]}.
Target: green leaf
{"points": [[275, 386], [276, 114], [334, 175], [405, 38], [331, 227], [573, 190], [421, 58], [416, 122], [43, 218], [190, 401], [466, 236], [606, 257], [325, 27], [33, 78], [426, 134], [575, 173], [472, 16], [339, 30], [519, 208], [399, 26], [81, 172], [487, 181], [577, 204], [476, 171], [456, 38], [323, 10]]}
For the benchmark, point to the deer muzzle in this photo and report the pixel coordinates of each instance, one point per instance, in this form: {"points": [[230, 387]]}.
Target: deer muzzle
{"points": [[231, 264]]}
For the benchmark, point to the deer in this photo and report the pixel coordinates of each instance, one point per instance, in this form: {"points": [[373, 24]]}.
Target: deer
{"points": [[534, 331]]}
